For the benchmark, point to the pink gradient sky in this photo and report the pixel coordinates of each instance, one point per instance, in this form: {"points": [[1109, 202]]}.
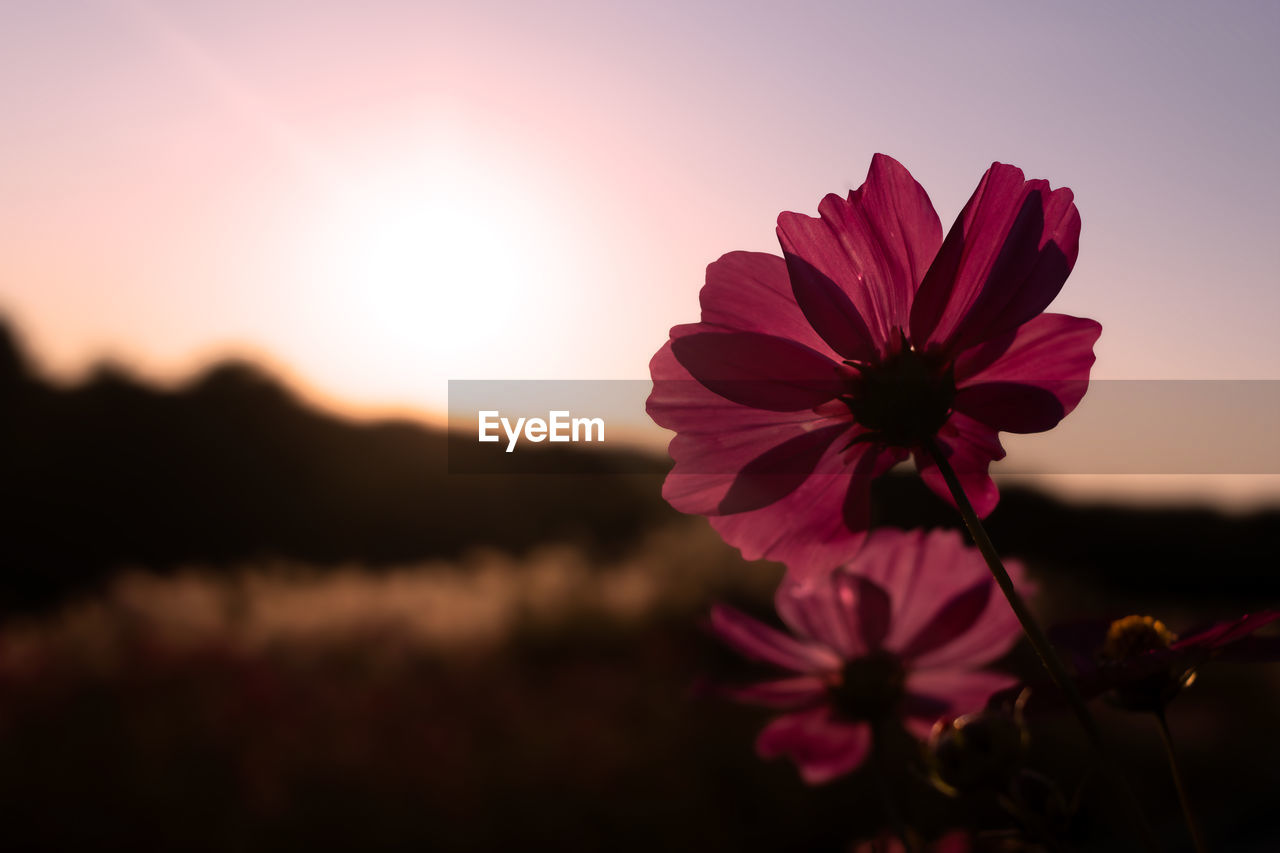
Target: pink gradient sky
{"points": [[377, 197]]}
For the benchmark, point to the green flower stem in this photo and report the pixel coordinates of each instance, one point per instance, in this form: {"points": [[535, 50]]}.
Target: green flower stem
{"points": [[1196, 838], [1048, 657]]}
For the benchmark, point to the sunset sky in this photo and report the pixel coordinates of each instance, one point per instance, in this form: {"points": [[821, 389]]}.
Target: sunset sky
{"points": [[377, 197]]}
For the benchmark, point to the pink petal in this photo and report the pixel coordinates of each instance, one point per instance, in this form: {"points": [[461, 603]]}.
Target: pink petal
{"points": [[716, 438], [867, 608], [990, 637], [784, 693], [751, 292], [1032, 378], [760, 371], [1002, 263], [1227, 632], [857, 501], [951, 620], [855, 268], [821, 523], [826, 305], [843, 611], [811, 609], [923, 572], [822, 748], [970, 447], [779, 471], [960, 691], [756, 640]]}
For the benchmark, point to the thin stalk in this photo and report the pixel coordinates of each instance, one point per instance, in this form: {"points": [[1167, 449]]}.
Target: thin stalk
{"points": [[1167, 737], [1040, 642], [891, 810]]}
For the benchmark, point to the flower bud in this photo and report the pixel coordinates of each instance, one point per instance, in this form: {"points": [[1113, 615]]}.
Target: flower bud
{"points": [[976, 752], [1130, 638]]}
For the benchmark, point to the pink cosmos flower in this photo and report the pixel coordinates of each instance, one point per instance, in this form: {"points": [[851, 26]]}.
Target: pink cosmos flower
{"points": [[870, 339], [898, 634]]}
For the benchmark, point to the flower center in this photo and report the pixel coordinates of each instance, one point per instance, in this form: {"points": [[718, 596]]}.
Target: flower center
{"points": [[869, 688], [1130, 637], [1134, 635], [904, 399]]}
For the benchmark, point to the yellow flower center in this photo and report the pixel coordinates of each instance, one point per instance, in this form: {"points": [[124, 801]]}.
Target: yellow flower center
{"points": [[1134, 635]]}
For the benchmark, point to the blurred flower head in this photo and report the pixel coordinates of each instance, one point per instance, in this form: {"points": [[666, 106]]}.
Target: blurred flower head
{"points": [[1141, 665], [870, 340], [896, 636]]}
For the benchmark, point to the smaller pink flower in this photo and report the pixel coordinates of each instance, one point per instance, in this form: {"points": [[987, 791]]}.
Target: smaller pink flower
{"points": [[897, 635]]}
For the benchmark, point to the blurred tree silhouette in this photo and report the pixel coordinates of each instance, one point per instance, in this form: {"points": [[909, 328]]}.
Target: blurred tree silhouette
{"points": [[233, 467]]}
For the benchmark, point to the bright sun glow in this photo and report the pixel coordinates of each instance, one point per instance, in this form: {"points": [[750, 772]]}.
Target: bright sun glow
{"points": [[425, 271]]}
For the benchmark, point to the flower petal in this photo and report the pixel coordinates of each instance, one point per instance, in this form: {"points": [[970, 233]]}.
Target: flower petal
{"points": [[779, 471], [923, 573], [1032, 378], [717, 438], [756, 640], [970, 446], [826, 305], [822, 748], [760, 371], [960, 691], [844, 611], [990, 637], [1002, 262], [871, 465], [867, 608], [783, 693], [855, 269], [813, 529], [751, 292], [1225, 633], [950, 621]]}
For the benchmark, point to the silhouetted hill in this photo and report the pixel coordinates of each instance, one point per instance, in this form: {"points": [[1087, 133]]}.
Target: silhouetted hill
{"points": [[233, 467]]}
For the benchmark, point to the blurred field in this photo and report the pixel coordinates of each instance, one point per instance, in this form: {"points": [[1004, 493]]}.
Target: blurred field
{"points": [[480, 704], [231, 622], [478, 603]]}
